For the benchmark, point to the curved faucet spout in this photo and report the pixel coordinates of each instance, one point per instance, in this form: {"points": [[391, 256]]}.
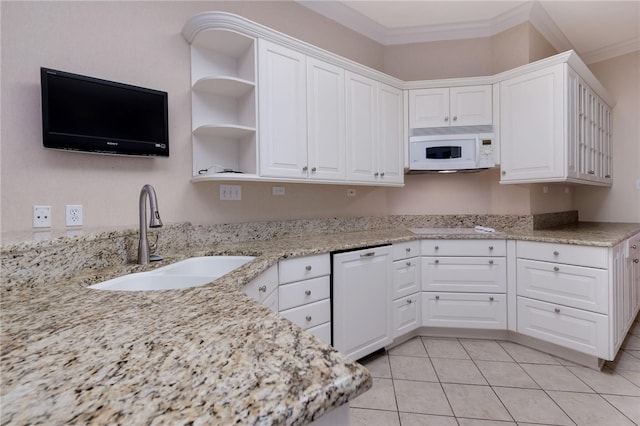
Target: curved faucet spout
{"points": [[155, 222]]}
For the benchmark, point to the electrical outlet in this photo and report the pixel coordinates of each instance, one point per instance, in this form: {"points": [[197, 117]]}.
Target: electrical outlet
{"points": [[230, 192], [73, 216], [42, 216], [277, 190], [351, 192]]}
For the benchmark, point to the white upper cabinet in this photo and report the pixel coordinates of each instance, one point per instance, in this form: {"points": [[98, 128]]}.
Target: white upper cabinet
{"points": [[375, 130], [455, 106], [554, 127], [282, 106]]}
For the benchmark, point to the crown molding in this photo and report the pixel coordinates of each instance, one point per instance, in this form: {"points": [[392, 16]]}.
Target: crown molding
{"points": [[611, 51]]}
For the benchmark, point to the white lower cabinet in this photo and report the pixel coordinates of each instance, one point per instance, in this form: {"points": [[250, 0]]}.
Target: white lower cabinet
{"points": [[464, 310], [406, 288], [304, 294], [406, 314], [263, 288], [362, 314]]}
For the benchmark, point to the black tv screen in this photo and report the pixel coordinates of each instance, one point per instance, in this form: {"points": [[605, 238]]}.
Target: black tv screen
{"points": [[81, 113]]}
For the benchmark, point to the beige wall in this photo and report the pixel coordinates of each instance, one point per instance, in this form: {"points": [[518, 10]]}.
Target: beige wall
{"points": [[621, 202], [140, 43]]}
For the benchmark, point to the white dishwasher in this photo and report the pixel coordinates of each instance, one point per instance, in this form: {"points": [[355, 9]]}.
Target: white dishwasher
{"points": [[361, 300]]}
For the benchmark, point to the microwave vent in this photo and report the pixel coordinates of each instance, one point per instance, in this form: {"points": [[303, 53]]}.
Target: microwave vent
{"points": [[451, 130]]}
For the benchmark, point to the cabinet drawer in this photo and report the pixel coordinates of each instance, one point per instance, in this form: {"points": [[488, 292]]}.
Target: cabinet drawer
{"points": [[464, 310], [322, 332], [303, 292], [263, 285], [464, 274], [569, 285], [302, 268], [406, 250], [594, 257], [576, 329], [271, 301], [406, 277], [463, 247], [406, 314], [310, 315]]}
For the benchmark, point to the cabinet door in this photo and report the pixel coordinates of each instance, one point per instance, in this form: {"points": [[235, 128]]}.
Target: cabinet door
{"points": [[464, 274], [428, 108], [406, 314], [362, 312], [282, 107], [532, 121], [390, 135], [362, 106], [326, 121], [471, 105], [464, 310], [406, 277]]}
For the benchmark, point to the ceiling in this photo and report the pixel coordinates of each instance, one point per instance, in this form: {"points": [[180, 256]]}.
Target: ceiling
{"points": [[597, 30]]}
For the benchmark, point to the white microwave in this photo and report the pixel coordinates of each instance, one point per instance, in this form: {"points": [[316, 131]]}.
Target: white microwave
{"points": [[443, 153]]}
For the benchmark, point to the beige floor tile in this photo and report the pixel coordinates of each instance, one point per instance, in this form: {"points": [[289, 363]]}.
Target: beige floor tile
{"points": [[478, 402], [628, 405], [421, 398], [412, 419], [379, 366], [632, 376], [632, 342], [476, 422], [485, 350], [589, 409], [555, 377], [506, 374], [524, 354], [412, 368], [380, 397], [625, 360], [364, 417], [606, 381], [413, 347], [532, 406], [461, 371], [445, 348], [635, 354]]}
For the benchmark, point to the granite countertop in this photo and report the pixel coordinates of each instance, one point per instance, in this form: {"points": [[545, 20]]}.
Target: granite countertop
{"points": [[206, 355]]}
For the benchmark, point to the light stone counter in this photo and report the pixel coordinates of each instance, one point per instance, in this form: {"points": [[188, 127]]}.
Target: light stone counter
{"points": [[207, 355]]}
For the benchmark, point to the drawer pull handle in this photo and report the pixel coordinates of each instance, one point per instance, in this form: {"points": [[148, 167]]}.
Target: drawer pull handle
{"points": [[491, 262], [408, 249], [308, 318], [409, 301], [556, 253], [369, 254], [408, 263], [636, 260], [436, 248], [490, 298], [437, 261], [490, 247], [308, 267], [556, 310], [308, 292], [437, 297], [555, 268], [262, 289]]}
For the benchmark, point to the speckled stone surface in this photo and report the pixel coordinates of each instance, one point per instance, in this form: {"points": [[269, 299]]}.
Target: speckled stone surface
{"points": [[208, 355]]}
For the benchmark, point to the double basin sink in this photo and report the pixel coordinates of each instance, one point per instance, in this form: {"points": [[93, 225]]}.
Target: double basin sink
{"points": [[193, 272]]}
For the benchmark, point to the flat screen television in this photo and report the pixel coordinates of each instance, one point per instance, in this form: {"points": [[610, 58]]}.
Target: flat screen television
{"points": [[87, 114]]}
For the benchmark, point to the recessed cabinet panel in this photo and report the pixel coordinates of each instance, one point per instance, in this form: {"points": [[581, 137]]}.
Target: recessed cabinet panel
{"points": [[429, 108], [390, 135], [463, 247], [303, 292], [406, 277], [471, 105], [595, 257], [464, 274], [304, 268], [310, 315], [464, 310], [362, 101], [406, 314]]}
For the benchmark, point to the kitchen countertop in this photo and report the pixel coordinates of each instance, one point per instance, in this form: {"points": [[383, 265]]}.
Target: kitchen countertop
{"points": [[208, 354]]}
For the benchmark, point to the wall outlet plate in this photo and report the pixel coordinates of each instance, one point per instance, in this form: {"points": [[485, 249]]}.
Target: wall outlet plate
{"points": [[42, 216], [73, 215], [230, 192]]}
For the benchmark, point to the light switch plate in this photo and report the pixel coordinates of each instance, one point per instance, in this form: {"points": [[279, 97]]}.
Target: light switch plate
{"points": [[230, 192]]}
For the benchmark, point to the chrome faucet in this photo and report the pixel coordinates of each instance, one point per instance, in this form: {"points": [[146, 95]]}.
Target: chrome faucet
{"points": [[155, 222]]}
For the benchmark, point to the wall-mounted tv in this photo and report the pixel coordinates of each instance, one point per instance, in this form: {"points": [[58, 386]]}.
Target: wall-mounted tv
{"points": [[81, 113]]}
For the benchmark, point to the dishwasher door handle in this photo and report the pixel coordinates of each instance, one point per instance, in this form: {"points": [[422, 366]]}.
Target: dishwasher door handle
{"points": [[368, 254]]}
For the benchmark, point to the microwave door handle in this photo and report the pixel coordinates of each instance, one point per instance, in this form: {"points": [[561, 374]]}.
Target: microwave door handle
{"points": [[477, 138]]}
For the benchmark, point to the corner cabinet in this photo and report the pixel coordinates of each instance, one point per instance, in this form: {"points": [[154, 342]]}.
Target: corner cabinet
{"points": [[267, 107], [554, 126]]}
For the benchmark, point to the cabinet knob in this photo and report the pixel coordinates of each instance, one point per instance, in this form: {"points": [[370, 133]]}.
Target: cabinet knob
{"points": [[634, 246], [490, 247], [436, 248], [437, 297], [455, 118], [490, 298], [313, 169], [381, 174], [556, 310], [504, 172], [607, 176], [376, 174], [408, 249], [591, 172], [491, 262], [636, 260], [409, 301], [556, 253], [308, 318], [555, 268], [437, 261], [308, 292], [262, 289], [305, 168], [446, 119], [408, 263], [308, 267]]}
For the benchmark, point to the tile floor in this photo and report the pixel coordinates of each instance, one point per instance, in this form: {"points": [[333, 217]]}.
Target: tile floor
{"points": [[466, 382]]}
